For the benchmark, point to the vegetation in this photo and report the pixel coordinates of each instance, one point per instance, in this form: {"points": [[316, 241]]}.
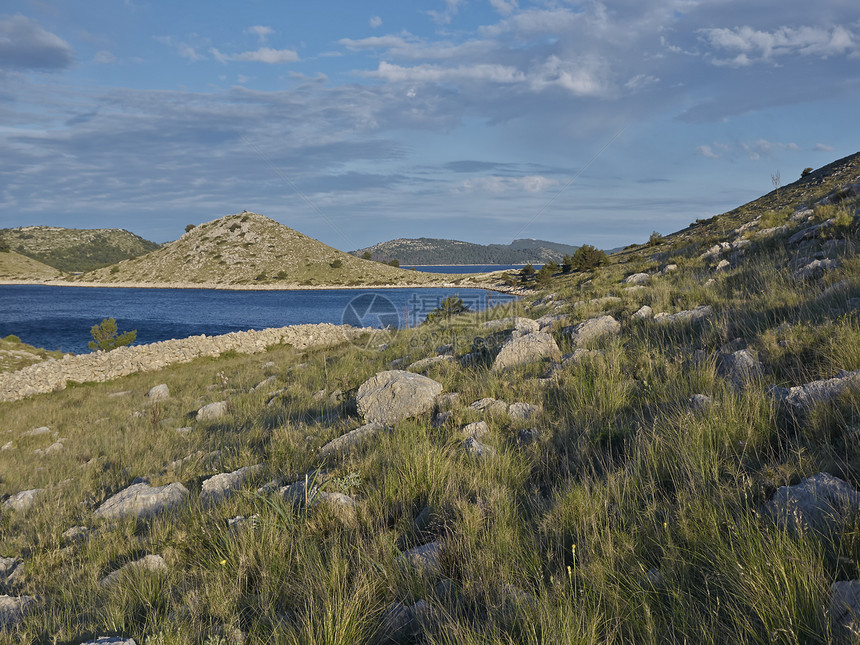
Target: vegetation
{"points": [[189, 228], [4, 246], [106, 337], [588, 258], [449, 252], [805, 171], [654, 239], [449, 307], [15, 354]]}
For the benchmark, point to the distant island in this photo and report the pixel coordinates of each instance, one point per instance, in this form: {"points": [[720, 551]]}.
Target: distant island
{"points": [[433, 251]]}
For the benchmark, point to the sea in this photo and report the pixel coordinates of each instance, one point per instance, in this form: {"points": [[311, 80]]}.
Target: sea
{"points": [[60, 318], [466, 268]]}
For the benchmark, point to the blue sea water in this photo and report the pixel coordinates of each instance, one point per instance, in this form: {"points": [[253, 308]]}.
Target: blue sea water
{"points": [[61, 317], [467, 268]]}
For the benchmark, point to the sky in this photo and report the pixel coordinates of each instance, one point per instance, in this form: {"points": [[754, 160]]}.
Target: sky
{"points": [[360, 122]]}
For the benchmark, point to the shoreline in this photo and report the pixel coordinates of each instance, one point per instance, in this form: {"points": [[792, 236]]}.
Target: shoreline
{"points": [[214, 286]]}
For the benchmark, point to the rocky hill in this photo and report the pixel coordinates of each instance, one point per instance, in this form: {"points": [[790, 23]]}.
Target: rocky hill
{"points": [[250, 249], [426, 250], [74, 249], [14, 266]]}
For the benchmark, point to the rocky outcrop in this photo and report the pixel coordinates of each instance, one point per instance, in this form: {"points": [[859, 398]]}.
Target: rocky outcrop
{"points": [[593, 329], [24, 500], [220, 487], [821, 504], [688, 315], [53, 375], [529, 348], [739, 367], [13, 609], [142, 501], [350, 439], [802, 397], [396, 395], [637, 279], [212, 411]]}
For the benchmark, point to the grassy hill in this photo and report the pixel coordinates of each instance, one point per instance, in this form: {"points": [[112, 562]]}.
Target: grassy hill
{"points": [[426, 250], [632, 504], [73, 249], [250, 249], [14, 266]]}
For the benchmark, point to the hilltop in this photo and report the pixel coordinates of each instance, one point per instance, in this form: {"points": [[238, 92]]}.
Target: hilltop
{"points": [[14, 266], [426, 250], [248, 249], [73, 249], [663, 449]]}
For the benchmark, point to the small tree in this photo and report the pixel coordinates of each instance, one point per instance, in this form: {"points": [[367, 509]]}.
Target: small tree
{"points": [[449, 307], [4, 246], [189, 227], [105, 337], [805, 172], [509, 279], [544, 276], [566, 264], [337, 264], [366, 255], [654, 239], [395, 263], [587, 258], [527, 274]]}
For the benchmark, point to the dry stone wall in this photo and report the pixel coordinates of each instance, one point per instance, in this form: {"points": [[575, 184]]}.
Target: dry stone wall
{"points": [[53, 375]]}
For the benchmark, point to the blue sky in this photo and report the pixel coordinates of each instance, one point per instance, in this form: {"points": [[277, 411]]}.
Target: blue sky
{"points": [[359, 122]]}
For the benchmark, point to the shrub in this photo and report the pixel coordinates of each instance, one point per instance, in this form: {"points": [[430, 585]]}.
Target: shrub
{"points": [[588, 258], [805, 172], [4, 246], [106, 337], [771, 219], [449, 307], [114, 270], [337, 264], [189, 227], [261, 276], [282, 275], [12, 338], [509, 279], [655, 239], [527, 274], [366, 255], [566, 264], [394, 263], [544, 276]]}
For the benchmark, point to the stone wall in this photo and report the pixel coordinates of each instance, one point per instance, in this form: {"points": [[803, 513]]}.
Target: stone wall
{"points": [[52, 375]]}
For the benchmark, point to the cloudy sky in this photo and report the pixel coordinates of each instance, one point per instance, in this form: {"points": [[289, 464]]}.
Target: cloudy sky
{"points": [[358, 122]]}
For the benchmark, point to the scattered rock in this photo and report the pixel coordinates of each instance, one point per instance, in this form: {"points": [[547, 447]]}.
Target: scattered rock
{"points": [[111, 640], [490, 406], [114, 395], [212, 411], [548, 321], [302, 492], [158, 392], [525, 349], [425, 363], [8, 446], [810, 232], [477, 449], [643, 313], [815, 270], [148, 563], [669, 268], [184, 431], [264, 383], [739, 367], [802, 397], [700, 402], [520, 411], [24, 500], [593, 329], [844, 607], [821, 504], [527, 436], [637, 278], [448, 401], [689, 315], [723, 266], [579, 354], [395, 395], [442, 418], [35, 432], [425, 558], [220, 487], [142, 501], [350, 439], [444, 350], [518, 324], [11, 569], [13, 609], [75, 534], [478, 429], [403, 623]]}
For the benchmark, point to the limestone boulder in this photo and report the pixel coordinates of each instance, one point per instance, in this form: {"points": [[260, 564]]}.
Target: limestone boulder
{"points": [[158, 393], [643, 313], [24, 500], [688, 315], [740, 367], [395, 395], [529, 348], [14, 608], [148, 563], [637, 279], [142, 501], [844, 607], [489, 406], [821, 504], [220, 487], [802, 397], [593, 329], [212, 411], [352, 438]]}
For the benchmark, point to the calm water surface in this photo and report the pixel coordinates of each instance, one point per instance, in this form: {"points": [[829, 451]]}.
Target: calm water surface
{"points": [[61, 317], [467, 268]]}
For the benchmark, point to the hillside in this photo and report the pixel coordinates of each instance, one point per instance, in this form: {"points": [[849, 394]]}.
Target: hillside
{"points": [[661, 450], [250, 249], [426, 250], [73, 249], [14, 266]]}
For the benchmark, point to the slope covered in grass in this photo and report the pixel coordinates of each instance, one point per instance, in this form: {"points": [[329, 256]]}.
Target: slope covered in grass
{"points": [[14, 266], [629, 505]]}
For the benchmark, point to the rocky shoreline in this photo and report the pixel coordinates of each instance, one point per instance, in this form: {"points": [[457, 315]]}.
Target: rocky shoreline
{"points": [[54, 374]]}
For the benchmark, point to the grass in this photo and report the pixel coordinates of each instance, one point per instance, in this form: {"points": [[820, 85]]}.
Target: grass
{"points": [[631, 518]]}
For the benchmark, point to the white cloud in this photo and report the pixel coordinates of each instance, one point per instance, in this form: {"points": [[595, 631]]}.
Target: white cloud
{"points": [[104, 57], [452, 8], [498, 185], [24, 44], [823, 147], [707, 151], [754, 45], [438, 74], [375, 22], [504, 7], [765, 148], [374, 42], [583, 77], [262, 32], [184, 49], [262, 55]]}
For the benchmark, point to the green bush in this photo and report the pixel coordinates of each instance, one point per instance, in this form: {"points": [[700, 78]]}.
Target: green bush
{"points": [[12, 338], [449, 307], [394, 263], [4, 246], [337, 264], [588, 258], [805, 172], [654, 239], [366, 255], [106, 337], [527, 274], [189, 227]]}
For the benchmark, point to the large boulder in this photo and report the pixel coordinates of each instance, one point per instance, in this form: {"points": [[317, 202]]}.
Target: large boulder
{"points": [[158, 392], [593, 329], [220, 487], [845, 607], [142, 501], [350, 439], [24, 500], [637, 278], [395, 395], [13, 609], [821, 504], [212, 411], [688, 315], [525, 349]]}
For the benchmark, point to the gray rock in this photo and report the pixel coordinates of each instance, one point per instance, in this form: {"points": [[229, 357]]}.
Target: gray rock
{"points": [[637, 278], [821, 504], [578, 355], [477, 449], [526, 349], [444, 350], [643, 313], [548, 321], [688, 315], [478, 429], [264, 383], [142, 501], [490, 406], [403, 623], [700, 401], [425, 558], [24, 500], [9, 567], [844, 607], [801, 397], [593, 329], [527, 436], [75, 534], [350, 439], [35, 432], [669, 268], [722, 266], [148, 563], [519, 324], [13, 609], [597, 302], [815, 270], [520, 411], [111, 640], [220, 487], [158, 393], [302, 492], [740, 367], [448, 401], [212, 411], [342, 505], [809, 233], [442, 418], [396, 395], [430, 361]]}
